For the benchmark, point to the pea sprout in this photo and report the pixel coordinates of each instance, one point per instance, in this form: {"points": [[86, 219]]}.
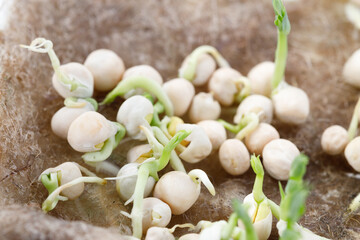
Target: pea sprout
{"points": [[73, 102], [67, 179], [109, 145], [149, 85], [70, 84], [283, 25], [292, 205], [246, 125], [188, 70], [147, 169], [354, 121], [228, 85]]}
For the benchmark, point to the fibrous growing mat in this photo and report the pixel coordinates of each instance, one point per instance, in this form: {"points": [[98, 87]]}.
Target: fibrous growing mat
{"points": [[161, 33]]}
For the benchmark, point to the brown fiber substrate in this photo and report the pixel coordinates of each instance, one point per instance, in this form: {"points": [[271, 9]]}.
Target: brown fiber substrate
{"points": [[161, 33]]}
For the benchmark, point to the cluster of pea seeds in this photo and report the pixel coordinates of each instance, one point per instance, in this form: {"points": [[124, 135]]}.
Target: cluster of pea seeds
{"points": [[153, 111]]}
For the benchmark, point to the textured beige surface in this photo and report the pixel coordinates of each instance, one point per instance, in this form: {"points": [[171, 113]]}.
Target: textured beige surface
{"points": [[20, 222], [161, 33]]}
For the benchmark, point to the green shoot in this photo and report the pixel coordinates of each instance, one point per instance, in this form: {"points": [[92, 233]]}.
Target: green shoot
{"points": [[73, 102], [230, 127], [247, 124], [283, 25], [109, 145], [151, 169], [243, 215], [257, 167], [292, 205], [52, 200], [354, 121], [189, 71], [228, 230]]}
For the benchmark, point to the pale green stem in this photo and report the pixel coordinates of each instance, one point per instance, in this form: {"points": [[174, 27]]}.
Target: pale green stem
{"points": [[153, 142], [51, 200], [244, 85], [190, 68], [137, 210], [251, 122], [147, 84], [50, 181], [175, 161], [170, 146], [280, 60], [257, 167], [275, 209], [243, 215], [163, 126], [42, 45], [354, 121], [232, 128], [101, 155], [227, 231], [150, 169], [109, 145], [93, 102], [73, 102], [85, 170]]}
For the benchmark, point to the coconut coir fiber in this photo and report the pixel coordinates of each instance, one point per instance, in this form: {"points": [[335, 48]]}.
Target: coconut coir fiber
{"points": [[161, 33]]}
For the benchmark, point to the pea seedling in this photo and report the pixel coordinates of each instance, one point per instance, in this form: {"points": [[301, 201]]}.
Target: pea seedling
{"points": [[291, 104], [248, 123], [69, 80], [134, 112], [180, 190], [198, 66], [145, 83], [234, 157], [292, 205], [65, 179], [93, 134], [259, 209], [352, 149], [74, 107], [126, 182], [230, 231], [106, 67], [156, 213], [260, 78], [204, 107], [198, 145], [181, 92], [255, 104], [141, 71], [228, 85], [151, 168], [278, 156]]}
